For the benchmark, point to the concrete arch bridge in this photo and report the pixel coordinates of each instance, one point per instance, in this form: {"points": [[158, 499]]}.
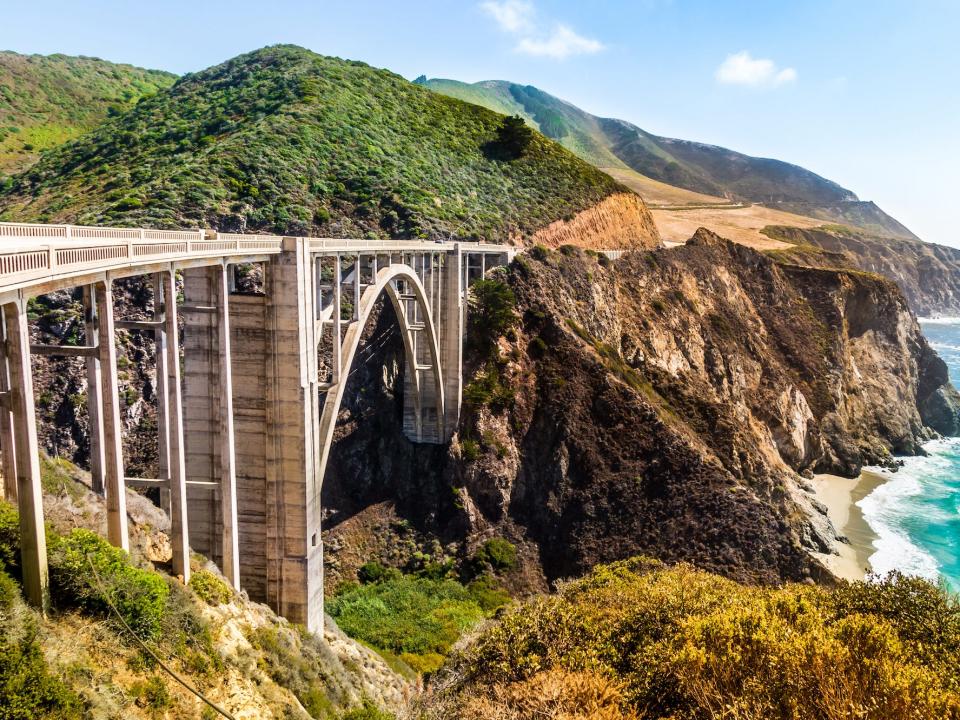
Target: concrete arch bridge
{"points": [[247, 406]]}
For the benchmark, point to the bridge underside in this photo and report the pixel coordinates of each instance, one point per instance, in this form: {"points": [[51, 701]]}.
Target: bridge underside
{"points": [[245, 428]]}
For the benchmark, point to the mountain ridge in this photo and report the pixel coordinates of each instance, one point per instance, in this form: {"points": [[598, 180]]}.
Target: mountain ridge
{"points": [[693, 166], [284, 140]]}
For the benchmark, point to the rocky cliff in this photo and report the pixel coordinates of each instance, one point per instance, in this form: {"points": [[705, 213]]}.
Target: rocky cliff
{"points": [[621, 221], [662, 404], [928, 274]]}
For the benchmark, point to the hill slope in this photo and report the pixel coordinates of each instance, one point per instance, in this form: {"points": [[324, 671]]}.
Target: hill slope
{"points": [[47, 100], [696, 167], [285, 140]]}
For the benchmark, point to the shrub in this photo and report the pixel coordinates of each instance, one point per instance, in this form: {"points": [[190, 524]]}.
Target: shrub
{"points": [[407, 615], [211, 589], [138, 595], [374, 572], [688, 644], [470, 449], [488, 594], [492, 311], [28, 691], [500, 554], [9, 539], [152, 694], [513, 137]]}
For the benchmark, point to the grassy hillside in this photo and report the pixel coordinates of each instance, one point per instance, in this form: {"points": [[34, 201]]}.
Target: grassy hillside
{"points": [[696, 167], [46, 100], [285, 140], [638, 641]]}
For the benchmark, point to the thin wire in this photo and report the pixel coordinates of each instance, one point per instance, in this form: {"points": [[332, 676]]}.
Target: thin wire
{"points": [[150, 651]]}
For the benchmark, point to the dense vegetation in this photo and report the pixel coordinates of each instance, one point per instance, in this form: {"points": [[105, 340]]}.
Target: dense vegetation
{"points": [[47, 100], [285, 140], [637, 639], [417, 617]]}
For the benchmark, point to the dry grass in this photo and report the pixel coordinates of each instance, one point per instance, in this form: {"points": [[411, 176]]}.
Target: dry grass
{"points": [[742, 225], [656, 193]]}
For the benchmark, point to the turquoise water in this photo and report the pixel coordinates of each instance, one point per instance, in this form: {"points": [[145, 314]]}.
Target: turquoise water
{"points": [[916, 513]]}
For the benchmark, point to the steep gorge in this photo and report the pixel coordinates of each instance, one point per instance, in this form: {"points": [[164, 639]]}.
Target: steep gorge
{"points": [[663, 404]]}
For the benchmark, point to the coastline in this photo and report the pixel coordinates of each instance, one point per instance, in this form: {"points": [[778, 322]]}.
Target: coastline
{"points": [[840, 496]]}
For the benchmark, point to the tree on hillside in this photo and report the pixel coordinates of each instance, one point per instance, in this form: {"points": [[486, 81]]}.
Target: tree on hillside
{"points": [[513, 137]]}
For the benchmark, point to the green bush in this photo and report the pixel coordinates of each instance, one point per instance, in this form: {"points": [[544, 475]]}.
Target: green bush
{"points": [[407, 615], [9, 539], [500, 554], [211, 589], [470, 449], [28, 691], [492, 311], [374, 572], [138, 595], [152, 694]]}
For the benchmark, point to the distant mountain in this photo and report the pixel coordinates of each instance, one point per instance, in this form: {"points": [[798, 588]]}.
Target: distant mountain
{"points": [[285, 140], [46, 100], [692, 166]]}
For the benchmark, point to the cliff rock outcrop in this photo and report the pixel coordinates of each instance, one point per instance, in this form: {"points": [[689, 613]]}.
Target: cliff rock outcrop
{"points": [[620, 221]]}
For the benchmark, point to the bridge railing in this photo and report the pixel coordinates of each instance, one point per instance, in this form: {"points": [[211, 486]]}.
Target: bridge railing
{"points": [[30, 251]]}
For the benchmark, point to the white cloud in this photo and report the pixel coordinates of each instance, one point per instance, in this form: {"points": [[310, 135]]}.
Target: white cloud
{"points": [[518, 18], [561, 43], [512, 16], [743, 69]]}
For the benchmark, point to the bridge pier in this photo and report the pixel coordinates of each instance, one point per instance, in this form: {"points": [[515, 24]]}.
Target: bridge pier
{"points": [[24, 454]]}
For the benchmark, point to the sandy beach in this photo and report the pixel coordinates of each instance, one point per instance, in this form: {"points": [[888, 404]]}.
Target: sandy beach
{"points": [[840, 495]]}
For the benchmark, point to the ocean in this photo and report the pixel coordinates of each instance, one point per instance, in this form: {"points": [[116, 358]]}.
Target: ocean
{"points": [[916, 513]]}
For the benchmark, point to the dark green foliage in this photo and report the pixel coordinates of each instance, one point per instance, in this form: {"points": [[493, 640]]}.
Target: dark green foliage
{"points": [[488, 593], [514, 138], [285, 140], [500, 554], [9, 539], [492, 312], [138, 595], [470, 450], [374, 572], [9, 590]]}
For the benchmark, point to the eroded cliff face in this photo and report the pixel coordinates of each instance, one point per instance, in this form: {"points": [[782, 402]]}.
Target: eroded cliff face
{"points": [[663, 404], [928, 274], [620, 221]]}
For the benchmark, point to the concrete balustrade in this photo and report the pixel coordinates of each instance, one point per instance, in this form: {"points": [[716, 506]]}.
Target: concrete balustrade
{"points": [[245, 420]]}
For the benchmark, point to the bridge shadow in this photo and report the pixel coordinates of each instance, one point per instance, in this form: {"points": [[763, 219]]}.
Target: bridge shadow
{"points": [[377, 479]]}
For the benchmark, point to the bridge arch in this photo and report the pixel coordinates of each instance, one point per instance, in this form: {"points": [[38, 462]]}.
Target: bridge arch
{"points": [[387, 280]]}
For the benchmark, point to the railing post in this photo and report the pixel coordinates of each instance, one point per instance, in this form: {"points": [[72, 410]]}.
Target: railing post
{"points": [[178, 472], [112, 424], [94, 398], [228, 457], [33, 541], [356, 288]]}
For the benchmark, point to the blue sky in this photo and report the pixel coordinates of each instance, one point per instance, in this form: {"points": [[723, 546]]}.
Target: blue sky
{"points": [[865, 93]]}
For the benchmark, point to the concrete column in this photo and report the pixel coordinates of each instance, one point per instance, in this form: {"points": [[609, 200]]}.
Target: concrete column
{"points": [[228, 456], [294, 549], [94, 398], [162, 370], [7, 441], [112, 439], [33, 542], [337, 321], [178, 473], [452, 320]]}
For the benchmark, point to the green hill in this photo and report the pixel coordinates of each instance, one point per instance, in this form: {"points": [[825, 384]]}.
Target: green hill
{"points": [[697, 167], [46, 100], [285, 140]]}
